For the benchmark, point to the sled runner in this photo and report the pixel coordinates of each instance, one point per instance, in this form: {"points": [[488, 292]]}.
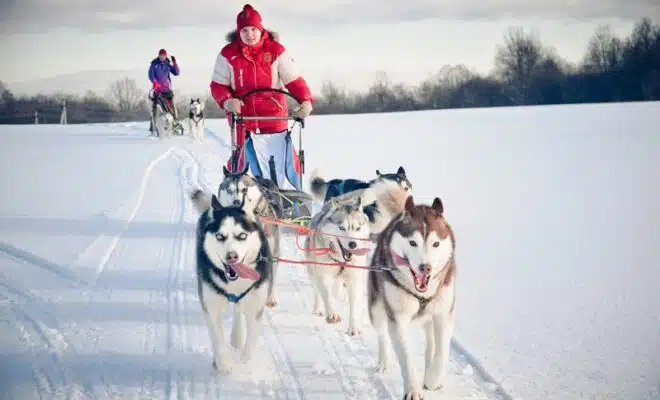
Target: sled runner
{"points": [[294, 204], [164, 119]]}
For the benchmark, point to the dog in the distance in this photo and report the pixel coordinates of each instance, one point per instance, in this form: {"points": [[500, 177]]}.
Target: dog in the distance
{"points": [[382, 198], [416, 284], [241, 188], [343, 229], [196, 119], [233, 266]]}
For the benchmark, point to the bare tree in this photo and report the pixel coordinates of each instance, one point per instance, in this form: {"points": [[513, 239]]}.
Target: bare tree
{"points": [[604, 51], [128, 98], [519, 56]]}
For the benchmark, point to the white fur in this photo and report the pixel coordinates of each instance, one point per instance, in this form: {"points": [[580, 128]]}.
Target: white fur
{"points": [[249, 307], [196, 123], [437, 320], [432, 251], [355, 227]]}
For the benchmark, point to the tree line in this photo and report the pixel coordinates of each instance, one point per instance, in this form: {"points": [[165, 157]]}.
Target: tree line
{"points": [[526, 72]]}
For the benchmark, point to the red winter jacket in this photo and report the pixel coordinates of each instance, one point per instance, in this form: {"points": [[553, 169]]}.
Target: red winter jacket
{"points": [[240, 68]]}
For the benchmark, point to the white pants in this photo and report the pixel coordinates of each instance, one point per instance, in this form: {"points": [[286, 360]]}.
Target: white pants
{"points": [[273, 144]]}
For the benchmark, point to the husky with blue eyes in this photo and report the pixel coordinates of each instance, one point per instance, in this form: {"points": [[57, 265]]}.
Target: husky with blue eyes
{"points": [[234, 265], [256, 197]]}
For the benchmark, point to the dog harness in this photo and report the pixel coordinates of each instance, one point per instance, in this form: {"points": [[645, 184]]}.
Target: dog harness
{"points": [[233, 298]]}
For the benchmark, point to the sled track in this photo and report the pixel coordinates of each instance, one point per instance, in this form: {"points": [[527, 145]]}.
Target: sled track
{"points": [[29, 329], [109, 249]]}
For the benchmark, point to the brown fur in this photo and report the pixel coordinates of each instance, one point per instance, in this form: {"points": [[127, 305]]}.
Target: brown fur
{"points": [[414, 218], [394, 305], [393, 201]]}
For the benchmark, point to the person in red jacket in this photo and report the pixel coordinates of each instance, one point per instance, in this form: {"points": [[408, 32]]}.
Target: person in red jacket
{"points": [[254, 58]]}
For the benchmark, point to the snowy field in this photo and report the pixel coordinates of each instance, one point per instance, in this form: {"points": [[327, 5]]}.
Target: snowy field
{"points": [[557, 217]]}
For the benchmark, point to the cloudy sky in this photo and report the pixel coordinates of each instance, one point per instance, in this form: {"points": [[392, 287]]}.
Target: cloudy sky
{"points": [[345, 41]]}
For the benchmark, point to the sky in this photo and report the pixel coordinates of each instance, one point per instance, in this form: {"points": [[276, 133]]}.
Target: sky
{"points": [[347, 42]]}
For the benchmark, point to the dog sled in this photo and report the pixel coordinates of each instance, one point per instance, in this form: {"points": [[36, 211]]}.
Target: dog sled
{"points": [[294, 205], [164, 117]]}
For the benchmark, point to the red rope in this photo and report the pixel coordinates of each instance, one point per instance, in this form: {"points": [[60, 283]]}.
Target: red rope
{"points": [[303, 230], [319, 251]]}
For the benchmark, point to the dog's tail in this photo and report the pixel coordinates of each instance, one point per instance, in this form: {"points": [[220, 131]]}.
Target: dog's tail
{"points": [[318, 185], [201, 200]]}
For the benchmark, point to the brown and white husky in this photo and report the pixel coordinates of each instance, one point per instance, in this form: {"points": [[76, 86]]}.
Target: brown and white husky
{"points": [[417, 285]]}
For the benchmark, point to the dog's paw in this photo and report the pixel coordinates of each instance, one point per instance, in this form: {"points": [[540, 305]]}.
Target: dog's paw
{"points": [[353, 332], [383, 367], [223, 367], [432, 380], [414, 395], [333, 318], [433, 386], [272, 302]]}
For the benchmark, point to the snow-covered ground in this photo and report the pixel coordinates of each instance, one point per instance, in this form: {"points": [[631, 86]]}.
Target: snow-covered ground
{"points": [[556, 211]]}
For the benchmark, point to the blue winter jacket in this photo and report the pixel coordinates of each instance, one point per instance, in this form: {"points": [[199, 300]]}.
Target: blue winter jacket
{"points": [[160, 71]]}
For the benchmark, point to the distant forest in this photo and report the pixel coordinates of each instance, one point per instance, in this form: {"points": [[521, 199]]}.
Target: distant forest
{"points": [[525, 72]]}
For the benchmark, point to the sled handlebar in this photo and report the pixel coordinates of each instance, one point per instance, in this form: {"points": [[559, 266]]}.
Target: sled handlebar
{"points": [[273, 90], [238, 118]]}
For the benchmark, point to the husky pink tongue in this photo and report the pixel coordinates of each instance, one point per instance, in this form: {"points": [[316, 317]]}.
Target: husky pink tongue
{"points": [[421, 281], [246, 272]]}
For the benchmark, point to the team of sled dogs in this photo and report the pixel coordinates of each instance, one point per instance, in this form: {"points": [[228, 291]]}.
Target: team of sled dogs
{"points": [[409, 278]]}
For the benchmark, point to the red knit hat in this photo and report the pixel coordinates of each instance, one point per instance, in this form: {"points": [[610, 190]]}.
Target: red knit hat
{"points": [[162, 51], [248, 17]]}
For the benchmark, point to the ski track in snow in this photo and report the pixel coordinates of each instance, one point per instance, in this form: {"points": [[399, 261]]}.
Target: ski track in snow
{"points": [[154, 342]]}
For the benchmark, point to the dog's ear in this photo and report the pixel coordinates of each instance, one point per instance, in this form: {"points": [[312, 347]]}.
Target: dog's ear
{"points": [[378, 173], [401, 171], [410, 203], [191, 100], [437, 205], [215, 203], [225, 171], [198, 100]]}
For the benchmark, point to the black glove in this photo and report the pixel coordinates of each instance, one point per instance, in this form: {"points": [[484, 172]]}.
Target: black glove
{"points": [[173, 59]]}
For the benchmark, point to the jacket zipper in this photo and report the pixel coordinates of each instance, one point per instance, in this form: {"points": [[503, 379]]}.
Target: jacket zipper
{"points": [[254, 104]]}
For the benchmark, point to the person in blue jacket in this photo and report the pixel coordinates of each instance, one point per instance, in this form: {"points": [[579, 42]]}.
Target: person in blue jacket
{"points": [[159, 75]]}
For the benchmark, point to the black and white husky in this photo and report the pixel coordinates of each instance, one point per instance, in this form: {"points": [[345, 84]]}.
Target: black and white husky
{"points": [[324, 190], [196, 119], [255, 198], [233, 266]]}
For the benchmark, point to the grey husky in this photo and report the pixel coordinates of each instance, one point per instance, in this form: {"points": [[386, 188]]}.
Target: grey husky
{"points": [[416, 285], [343, 228], [257, 199], [233, 266]]}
